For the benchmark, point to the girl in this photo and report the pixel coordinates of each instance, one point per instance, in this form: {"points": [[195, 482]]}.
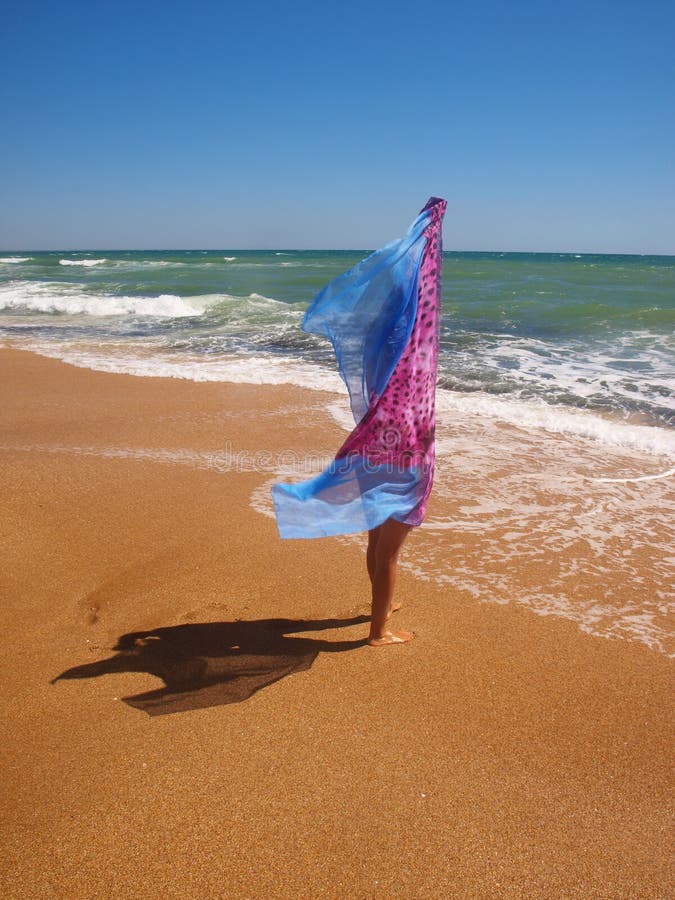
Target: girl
{"points": [[382, 318]]}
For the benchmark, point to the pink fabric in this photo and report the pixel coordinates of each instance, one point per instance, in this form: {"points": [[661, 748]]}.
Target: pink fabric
{"points": [[399, 426]]}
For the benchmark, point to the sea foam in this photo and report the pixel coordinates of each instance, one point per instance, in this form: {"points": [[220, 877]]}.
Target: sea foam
{"points": [[53, 298], [234, 369], [81, 262], [538, 414]]}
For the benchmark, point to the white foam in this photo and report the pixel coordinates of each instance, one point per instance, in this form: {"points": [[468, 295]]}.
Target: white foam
{"points": [[234, 369], [659, 475], [229, 258], [541, 415], [262, 297], [15, 259], [504, 501], [139, 265], [639, 365], [261, 498], [81, 262], [54, 298], [341, 413]]}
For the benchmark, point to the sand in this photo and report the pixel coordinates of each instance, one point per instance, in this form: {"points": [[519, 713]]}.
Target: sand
{"points": [[500, 754]]}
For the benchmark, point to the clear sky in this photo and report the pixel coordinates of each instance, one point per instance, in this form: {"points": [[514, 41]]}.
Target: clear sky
{"points": [[211, 124]]}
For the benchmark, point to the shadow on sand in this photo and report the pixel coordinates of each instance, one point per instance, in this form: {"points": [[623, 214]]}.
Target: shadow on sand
{"points": [[209, 664]]}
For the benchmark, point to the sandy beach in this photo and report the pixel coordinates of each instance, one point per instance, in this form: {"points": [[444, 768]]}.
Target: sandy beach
{"points": [[190, 709]]}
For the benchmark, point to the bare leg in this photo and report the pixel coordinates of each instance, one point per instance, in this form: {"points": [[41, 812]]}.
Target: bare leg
{"points": [[373, 537], [382, 557], [370, 552]]}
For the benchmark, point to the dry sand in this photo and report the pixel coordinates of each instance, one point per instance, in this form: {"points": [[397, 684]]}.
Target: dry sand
{"points": [[500, 754]]}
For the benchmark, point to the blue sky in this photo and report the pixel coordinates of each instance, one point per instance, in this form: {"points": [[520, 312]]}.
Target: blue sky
{"points": [[546, 126]]}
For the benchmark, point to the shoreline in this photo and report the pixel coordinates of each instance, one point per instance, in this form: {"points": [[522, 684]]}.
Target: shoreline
{"points": [[525, 492], [639, 433], [500, 754]]}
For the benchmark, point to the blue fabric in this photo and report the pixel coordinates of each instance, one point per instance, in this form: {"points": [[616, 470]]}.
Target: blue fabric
{"points": [[350, 496], [367, 314]]}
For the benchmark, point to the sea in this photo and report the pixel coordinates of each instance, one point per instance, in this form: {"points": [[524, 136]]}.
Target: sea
{"points": [[555, 402]]}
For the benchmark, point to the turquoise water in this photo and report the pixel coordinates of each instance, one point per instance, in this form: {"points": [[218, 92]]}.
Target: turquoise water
{"points": [[591, 332]]}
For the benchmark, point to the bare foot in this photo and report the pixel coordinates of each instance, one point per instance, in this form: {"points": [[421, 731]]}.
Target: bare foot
{"points": [[391, 637], [393, 608]]}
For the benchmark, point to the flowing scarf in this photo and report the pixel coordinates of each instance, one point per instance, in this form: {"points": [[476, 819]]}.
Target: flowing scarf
{"points": [[382, 318]]}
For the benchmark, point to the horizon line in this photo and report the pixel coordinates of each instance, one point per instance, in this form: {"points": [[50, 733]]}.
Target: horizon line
{"points": [[320, 250]]}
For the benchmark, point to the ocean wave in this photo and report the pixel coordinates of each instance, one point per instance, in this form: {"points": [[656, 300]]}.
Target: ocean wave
{"points": [[262, 297], [636, 368], [537, 414], [15, 259], [229, 309], [197, 265], [152, 264], [81, 262], [140, 265], [47, 298]]}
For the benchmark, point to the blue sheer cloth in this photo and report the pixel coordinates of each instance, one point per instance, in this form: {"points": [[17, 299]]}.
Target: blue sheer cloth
{"points": [[368, 315], [368, 312]]}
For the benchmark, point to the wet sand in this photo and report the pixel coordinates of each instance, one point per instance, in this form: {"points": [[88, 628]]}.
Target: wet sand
{"points": [[500, 754]]}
